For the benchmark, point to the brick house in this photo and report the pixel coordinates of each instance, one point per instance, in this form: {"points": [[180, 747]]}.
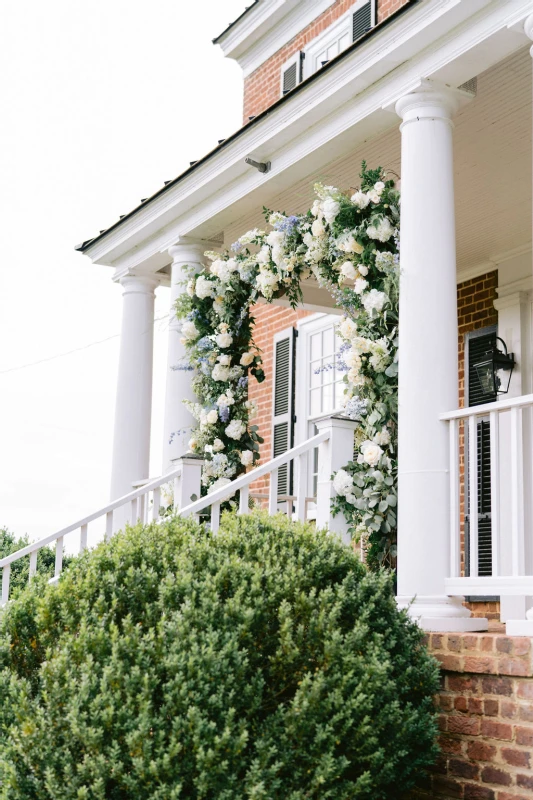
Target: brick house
{"points": [[327, 84]]}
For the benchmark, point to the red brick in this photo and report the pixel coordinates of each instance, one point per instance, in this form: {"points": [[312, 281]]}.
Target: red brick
{"points": [[508, 709], [525, 690], [451, 745], [497, 686], [517, 758], [525, 781], [455, 643], [459, 683], [514, 666], [467, 725], [521, 646], [491, 707], [463, 769], [445, 787], [452, 663], [524, 736], [504, 644], [484, 664], [493, 775], [480, 751], [473, 792], [496, 730], [461, 704]]}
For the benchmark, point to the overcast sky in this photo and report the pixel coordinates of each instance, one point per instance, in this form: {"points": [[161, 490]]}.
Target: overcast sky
{"points": [[101, 102]]}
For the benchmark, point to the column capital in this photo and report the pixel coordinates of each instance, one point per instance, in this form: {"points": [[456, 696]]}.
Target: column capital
{"points": [[138, 284], [189, 248], [431, 101]]}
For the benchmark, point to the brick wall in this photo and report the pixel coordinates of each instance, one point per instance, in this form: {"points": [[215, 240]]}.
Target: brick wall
{"points": [[262, 87], [475, 309], [485, 718]]}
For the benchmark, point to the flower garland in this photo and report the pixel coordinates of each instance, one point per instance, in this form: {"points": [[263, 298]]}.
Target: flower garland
{"points": [[350, 244]]}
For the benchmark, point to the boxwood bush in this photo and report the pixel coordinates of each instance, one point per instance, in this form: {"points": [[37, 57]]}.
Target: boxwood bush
{"points": [[264, 662]]}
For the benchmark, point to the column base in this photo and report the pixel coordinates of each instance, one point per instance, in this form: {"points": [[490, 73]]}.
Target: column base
{"points": [[442, 614], [520, 627]]}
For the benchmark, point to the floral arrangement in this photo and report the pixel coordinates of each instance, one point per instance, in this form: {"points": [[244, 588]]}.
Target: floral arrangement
{"points": [[350, 244]]}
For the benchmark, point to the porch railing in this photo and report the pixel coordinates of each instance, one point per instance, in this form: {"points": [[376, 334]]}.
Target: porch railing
{"points": [[144, 502], [510, 494]]}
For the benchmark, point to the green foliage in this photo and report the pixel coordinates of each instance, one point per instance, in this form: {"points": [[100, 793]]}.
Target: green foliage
{"points": [[265, 662], [20, 569]]}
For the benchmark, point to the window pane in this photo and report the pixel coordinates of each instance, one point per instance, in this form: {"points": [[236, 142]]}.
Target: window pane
{"points": [[316, 346], [315, 402], [344, 41], [328, 342], [333, 50], [316, 373], [327, 398]]}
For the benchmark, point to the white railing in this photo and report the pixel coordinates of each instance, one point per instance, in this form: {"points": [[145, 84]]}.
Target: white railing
{"points": [[510, 495], [143, 504]]}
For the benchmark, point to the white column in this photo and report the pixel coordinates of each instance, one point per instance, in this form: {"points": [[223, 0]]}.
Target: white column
{"points": [[428, 378], [131, 445], [178, 421]]}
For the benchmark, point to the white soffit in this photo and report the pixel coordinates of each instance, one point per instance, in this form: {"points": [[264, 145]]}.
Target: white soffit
{"points": [[447, 40]]}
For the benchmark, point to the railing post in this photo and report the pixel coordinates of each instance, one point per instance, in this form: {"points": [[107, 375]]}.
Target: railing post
{"points": [[188, 488], [333, 454]]}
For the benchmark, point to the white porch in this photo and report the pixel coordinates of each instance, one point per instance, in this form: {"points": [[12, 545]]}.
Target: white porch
{"points": [[463, 214]]}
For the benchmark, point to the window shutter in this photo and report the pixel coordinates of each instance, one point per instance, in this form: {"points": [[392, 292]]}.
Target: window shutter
{"points": [[361, 21], [477, 347], [292, 74], [283, 403]]}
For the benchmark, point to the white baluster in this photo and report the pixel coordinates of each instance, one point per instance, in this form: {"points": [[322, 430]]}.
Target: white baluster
{"points": [[83, 538], [273, 491], [517, 493], [177, 493], [495, 490], [301, 487], [6, 574], [59, 557], [455, 522], [156, 504], [244, 497], [215, 517], [33, 563], [133, 511], [473, 526], [142, 508], [108, 525]]}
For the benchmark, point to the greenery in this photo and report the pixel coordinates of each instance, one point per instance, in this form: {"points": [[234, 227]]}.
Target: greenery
{"points": [[349, 243], [264, 662], [20, 569]]}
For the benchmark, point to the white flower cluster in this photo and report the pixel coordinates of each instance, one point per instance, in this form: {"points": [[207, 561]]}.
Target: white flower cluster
{"points": [[361, 200]]}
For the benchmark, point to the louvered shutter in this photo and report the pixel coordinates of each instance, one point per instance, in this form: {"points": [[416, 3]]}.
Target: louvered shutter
{"points": [[477, 348], [361, 21], [291, 73], [283, 403]]}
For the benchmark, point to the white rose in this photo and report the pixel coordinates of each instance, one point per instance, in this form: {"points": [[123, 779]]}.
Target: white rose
{"points": [[379, 186], [278, 256], [374, 196], [317, 228], [383, 437], [382, 231], [218, 445], [349, 244], [371, 452], [220, 373], [193, 444], [342, 482], [330, 209], [190, 287], [247, 458], [316, 209], [212, 416], [360, 285], [204, 287], [360, 199], [363, 269], [224, 359], [348, 270], [374, 301], [224, 340], [235, 429], [246, 359], [189, 331]]}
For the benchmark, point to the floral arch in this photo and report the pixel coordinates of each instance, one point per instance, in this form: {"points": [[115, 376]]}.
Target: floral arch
{"points": [[350, 244]]}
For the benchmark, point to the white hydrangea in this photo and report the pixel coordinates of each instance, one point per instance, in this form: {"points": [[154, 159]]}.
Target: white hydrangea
{"points": [[370, 453], [189, 331], [380, 355], [347, 328], [249, 236], [263, 256], [360, 285], [224, 359], [275, 238], [330, 209], [190, 287], [246, 359], [218, 445], [247, 458], [220, 373], [218, 484], [379, 187], [349, 271], [278, 256], [222, 270], [224, 340], [360, 199], [226, 399], [235, 429], [204, 287], [267, 282], [343, 482], [382, 231], [212, 416], [275, 218], [318, 228], [374, 301]]}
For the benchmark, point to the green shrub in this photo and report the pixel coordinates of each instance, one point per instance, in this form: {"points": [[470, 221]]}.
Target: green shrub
{"points": [[20, 570], [264, 662]]}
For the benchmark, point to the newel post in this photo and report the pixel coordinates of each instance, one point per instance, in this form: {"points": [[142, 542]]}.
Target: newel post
{"points": [[333, 454], [188, 485]]}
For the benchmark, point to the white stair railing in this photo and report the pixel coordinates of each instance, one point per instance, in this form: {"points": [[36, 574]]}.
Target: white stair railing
{"points": [[335, 449], [510, 480]]}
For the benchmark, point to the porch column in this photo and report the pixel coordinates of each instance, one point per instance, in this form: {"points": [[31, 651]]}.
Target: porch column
{"points": [[428, 377], [131, 445], [178, 421]]}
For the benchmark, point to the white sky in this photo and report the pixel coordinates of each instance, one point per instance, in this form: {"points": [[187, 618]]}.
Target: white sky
{"points": [[101, 101]]}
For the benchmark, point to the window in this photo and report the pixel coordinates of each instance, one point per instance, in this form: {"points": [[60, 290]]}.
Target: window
{"points": [[344, 31]]}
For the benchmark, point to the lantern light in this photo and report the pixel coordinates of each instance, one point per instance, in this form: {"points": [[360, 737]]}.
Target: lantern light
{"points": [[490, 369]]}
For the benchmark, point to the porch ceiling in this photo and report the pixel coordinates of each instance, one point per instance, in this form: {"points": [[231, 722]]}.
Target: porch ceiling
{"points": [[493, 168]]}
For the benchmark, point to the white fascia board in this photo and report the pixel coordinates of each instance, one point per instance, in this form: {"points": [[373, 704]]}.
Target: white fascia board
{"points": [[267, 28], [343, 105]]}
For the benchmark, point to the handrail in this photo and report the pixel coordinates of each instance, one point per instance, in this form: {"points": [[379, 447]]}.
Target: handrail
{"points": [[503, 405], [121, 501], [222, 494]]}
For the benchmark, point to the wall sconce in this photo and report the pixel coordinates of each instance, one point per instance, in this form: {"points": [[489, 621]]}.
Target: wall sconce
{"points": [[491, 367]]}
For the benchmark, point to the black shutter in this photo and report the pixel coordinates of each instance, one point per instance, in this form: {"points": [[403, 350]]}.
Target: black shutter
{"points": [[283, 403], [361, 21], [477, 348], [292, 76]]}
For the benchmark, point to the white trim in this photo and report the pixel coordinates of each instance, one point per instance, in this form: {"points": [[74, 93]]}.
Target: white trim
{"points": [[332, 34], [445, 39]]}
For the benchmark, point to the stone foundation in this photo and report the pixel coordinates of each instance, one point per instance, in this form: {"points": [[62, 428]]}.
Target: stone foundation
{"points": [[486, 718]]}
